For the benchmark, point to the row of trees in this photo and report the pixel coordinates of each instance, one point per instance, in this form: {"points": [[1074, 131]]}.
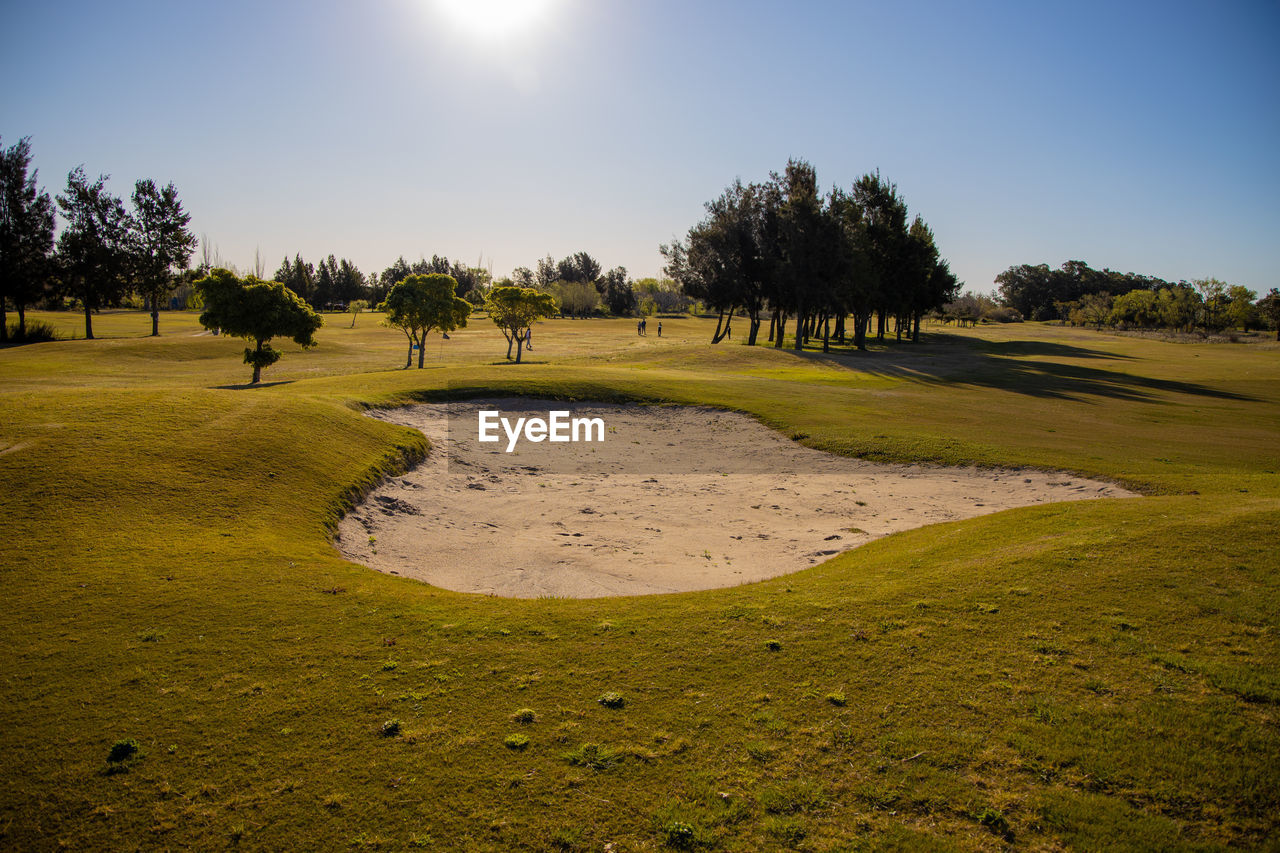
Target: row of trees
{"points": [[579, 284], [419, 304], [1078, 294], [782, 249], [1208, 305], [104, 251]]}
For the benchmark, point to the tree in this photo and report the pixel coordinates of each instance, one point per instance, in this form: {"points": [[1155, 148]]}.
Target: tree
{"points": [[161, 244], [26, 234], [1240, 308], [1139, 309], [1269, 305], [1213, 295], [93, 248], [514, 309], [257, 311], [616, 291], [420, 304], [578, 267]]}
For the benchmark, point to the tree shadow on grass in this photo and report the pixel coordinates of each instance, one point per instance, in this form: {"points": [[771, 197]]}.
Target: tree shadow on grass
{"points": [[944, 359], [249, 385]]}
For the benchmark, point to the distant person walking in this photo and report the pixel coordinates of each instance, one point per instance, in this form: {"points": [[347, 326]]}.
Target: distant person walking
{"points": [[644, 327], [659, 328], [639, 327], [528, 339]]}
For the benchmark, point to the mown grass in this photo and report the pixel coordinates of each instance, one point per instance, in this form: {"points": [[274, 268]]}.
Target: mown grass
{"points": [[1079, 675]]}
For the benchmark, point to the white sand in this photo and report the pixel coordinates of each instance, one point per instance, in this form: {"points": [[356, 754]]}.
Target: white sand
{"points": [[675, 499]]}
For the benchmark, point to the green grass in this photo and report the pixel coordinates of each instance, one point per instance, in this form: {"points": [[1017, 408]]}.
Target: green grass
{"points": [[1077, 675]]}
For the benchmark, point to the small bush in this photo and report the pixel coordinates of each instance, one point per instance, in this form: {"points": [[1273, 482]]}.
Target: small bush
{"points": [[524, 715], [837, 698], [516, 742], [680, 835], [612, 700], [123, 750], [994, 820], [773, 646], [391, 728]]}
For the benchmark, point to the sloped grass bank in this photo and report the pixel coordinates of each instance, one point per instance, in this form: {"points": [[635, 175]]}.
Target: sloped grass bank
{"points": [[1082, 675]]}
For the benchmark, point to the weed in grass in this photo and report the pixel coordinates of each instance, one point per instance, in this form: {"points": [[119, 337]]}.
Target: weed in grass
{"points": [[524, 715], [516, 742], [679, 835], [391, 728], [569, 839], [773, 645], [790, 831], [760, 751], [837, 698], [422, 841], [793, 797], [333, 802], [390, 665], [123, 755], [994, 820], [594, 756], [151, 635], [612, 700]]}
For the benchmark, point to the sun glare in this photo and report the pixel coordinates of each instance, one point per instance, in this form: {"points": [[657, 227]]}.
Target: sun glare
{"points": [[494, 20]]}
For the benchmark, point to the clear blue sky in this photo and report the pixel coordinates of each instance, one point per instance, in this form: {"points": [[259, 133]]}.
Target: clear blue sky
{"points": [[1137, 136]]}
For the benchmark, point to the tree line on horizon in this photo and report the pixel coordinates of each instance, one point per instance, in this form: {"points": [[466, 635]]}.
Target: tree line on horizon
{"points": [[104, 251], [107, 254], [1077, 294], [781, 249]]}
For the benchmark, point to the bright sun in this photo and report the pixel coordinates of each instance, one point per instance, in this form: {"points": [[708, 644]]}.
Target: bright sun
{"points": [[494, 19]]}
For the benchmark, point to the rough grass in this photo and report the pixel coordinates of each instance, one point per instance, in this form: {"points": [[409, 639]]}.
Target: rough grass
{"points": [[1080, 675]]}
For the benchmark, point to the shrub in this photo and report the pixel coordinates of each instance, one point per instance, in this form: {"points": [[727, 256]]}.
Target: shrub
{"points": [[123, 750], [612, 700], [516, 742], [678, 834], [524, 715], [837, 698], [391, 728], [38, 332], [773, 646]]}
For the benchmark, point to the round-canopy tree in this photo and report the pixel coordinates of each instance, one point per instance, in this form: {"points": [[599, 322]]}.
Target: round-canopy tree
{"points": [[257, 311], [418, 304], [513, 310]]}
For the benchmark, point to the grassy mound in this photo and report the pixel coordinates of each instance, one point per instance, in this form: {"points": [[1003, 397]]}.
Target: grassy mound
{"points": [[1082, 675]]}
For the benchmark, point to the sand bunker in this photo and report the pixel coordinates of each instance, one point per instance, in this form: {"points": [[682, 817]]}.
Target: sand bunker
{"points": [[674, 499]]}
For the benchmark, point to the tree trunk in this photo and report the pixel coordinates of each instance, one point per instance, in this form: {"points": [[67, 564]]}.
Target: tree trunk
{"points": [[773, 324], [22, 320], [4, 322], [754, 331], [519, 346], [802, 323], [782, 330], [88, 323], [915, 329], [880, 325], [510, 341], [408, 357], [155, 316], [722, 327], [422, 350], [826, 334]]}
